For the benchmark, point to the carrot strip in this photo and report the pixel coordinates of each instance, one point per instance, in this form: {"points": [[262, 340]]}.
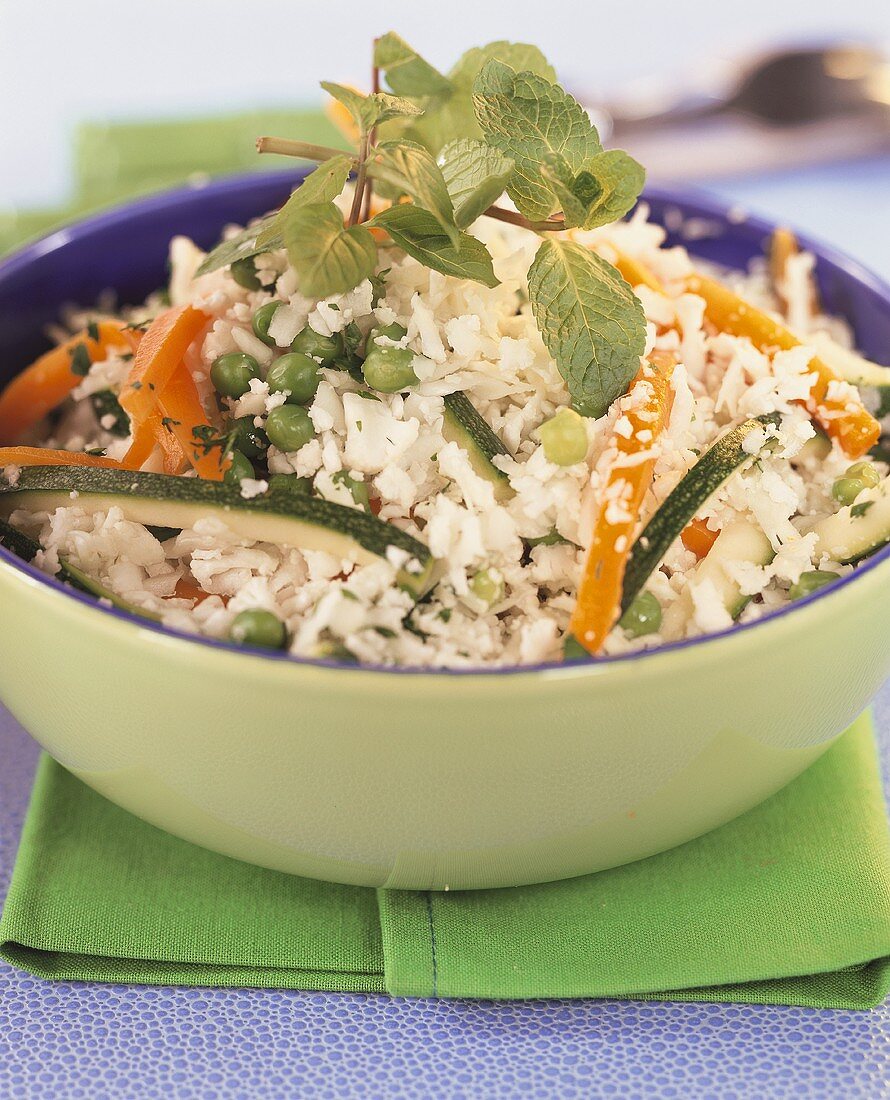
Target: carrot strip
{"points": [[698, 538], [161, 350], [48, 380], [175, 459], [844, 418], [47, 456], [635, 272], [145, 438], [188, 590], [647, 408], [181, 415]]}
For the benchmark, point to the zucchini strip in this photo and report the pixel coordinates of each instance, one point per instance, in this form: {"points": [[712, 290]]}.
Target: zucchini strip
{"points": [[714, 467], [26, 548], [279, 515]]}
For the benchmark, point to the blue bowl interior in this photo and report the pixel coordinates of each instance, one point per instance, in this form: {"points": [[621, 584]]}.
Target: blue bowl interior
{"points": [[125, 249]]}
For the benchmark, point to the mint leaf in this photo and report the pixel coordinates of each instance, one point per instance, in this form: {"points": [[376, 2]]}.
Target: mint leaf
{"points": [[574, 194], [321, 185], [240, 247], [448, 114], [590, 321], [406, 71], [520, 56], [529, 119], [328, 257], [370, 110], [620, 179], [476, 176], [410, 170], [417, 232]]}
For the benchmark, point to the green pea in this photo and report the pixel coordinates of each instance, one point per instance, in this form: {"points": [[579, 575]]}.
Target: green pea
{"points": [[488, 586], [846, 489], [296, 375], [642, 617], [231, 374], [866, 473], [241, 467], [247, 438], [261, 321], [358, 489], [395, 331], [258, 628], [244, 274], [389, 370], [564, 438], [325, 348], [289, 427]]}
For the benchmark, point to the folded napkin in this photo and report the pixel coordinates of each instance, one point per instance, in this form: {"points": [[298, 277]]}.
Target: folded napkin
{"points": [[789, 904]]}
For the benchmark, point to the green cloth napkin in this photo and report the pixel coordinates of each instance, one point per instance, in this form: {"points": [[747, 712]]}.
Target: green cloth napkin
{"points": [[789, 904]]}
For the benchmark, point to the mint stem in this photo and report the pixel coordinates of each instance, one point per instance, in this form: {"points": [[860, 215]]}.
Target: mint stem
{"points": [[375, 88], [302, 149], [552, 225], [360, 180]]}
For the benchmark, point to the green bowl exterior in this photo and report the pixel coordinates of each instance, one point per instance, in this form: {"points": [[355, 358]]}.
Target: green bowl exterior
{"points": [[427, 781]]}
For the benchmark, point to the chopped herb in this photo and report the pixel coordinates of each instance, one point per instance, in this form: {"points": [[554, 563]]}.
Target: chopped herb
{"points": [[93, 331], [106, 404], [80, 360], [861, 509]]}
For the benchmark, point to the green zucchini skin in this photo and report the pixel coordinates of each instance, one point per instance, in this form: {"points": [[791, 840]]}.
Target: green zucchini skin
{"points": [[279, 515], [859, 530], [714, 467], [24, 547], [464, 426]]}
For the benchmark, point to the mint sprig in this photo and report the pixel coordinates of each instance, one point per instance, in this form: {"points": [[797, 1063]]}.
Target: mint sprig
{"points": [[443, 148]]}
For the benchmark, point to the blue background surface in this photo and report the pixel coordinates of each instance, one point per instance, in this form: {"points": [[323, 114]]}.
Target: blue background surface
{"points": [[69, 1040]]}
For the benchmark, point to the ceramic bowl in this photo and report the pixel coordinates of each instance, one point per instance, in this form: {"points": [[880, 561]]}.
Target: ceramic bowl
{"points": [[407, 779]]}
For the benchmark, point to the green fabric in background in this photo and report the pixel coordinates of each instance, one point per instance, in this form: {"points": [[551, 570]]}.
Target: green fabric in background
{"points": [[789, 904], [113, 162]]}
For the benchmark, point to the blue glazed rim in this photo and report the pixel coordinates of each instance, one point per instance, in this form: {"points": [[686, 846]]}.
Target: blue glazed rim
{"points": [[691, 203]]}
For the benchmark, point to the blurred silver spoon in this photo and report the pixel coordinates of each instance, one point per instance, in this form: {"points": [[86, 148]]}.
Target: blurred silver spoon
{"points": [[788, 108]]}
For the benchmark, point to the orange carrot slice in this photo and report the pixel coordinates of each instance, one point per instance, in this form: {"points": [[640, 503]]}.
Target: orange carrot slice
{"points": [[635, 271], [47, 456], [182, 414], [161, 351], [46, 383], [698, 538], [175, 459], [844, 418], [644, 413], [189, 590]]}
